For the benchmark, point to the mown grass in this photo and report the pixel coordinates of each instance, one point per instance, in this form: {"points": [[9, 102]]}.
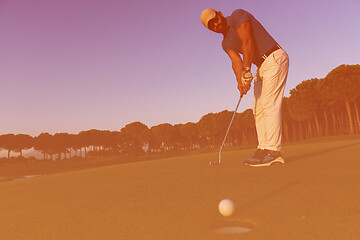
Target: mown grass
{"points": [[313, 196], [17, 167]]}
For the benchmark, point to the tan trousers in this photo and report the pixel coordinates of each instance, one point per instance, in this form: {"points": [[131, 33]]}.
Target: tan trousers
{"points": [[269, 85]]}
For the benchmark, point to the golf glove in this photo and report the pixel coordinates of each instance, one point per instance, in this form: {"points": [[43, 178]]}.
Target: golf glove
{"points": [[247, 76]]}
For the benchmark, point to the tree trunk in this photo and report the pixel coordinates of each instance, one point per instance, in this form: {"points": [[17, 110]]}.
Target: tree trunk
{"points": [[317, 125], [340, 123], [243, 137], [306, 130], [344, 123], [9, 154], [311, 135], [357, 117], [326, 132], [301, 132], [334, 130], [287, 134], [283, 132], [294, 133], [348, 111]]}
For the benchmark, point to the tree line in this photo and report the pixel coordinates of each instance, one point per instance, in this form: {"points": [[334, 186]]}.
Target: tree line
{"points": [[315, 108]]}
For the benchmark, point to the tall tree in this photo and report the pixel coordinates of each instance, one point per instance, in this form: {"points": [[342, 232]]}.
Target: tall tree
{"points": [[190, 134], [23, 142], [92, 139], [221, 124], [111, 141], [166, 136], [304, 105], [135, 136], [287, 122], [248, 126], [8, 142], [43, 143], [206, 127], [342, 85], [61, 143]]}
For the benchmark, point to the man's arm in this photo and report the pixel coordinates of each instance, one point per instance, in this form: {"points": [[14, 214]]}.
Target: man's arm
{"points": [[237, 66], [245, 34]]}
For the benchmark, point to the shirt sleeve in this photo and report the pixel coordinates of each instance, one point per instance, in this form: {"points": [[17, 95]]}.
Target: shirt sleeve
{"points": [[238, 17], [225, 47]]}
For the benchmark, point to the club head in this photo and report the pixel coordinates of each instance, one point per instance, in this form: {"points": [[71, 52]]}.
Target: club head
{"points": [[214, 163]]}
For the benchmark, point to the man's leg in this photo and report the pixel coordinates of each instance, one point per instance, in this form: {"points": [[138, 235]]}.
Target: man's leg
{"points": [[267, 109], [258, 112], [274, 73], [259, 121]]}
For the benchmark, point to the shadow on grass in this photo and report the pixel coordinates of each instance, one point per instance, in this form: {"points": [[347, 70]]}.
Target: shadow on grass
{"points": [[317, 153], [267, 196]]}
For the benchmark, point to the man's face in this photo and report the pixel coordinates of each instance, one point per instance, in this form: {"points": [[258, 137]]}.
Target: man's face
{"points": [[218, 23]]}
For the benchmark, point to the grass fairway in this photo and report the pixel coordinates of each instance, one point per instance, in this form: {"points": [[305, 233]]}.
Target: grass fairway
{"points": [[314, 196]]}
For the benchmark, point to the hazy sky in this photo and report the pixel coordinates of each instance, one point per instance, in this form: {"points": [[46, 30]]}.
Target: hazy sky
{"points": [[73, 65]]}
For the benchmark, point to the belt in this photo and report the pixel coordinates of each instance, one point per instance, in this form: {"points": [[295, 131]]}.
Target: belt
{"points": [[266, 55]]}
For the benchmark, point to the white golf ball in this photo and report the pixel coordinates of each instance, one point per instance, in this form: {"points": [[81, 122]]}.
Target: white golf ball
{"points": [[226, 207]]}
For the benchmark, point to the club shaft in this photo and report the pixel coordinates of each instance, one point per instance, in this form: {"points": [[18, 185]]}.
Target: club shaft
{"points": [[222, 145]]}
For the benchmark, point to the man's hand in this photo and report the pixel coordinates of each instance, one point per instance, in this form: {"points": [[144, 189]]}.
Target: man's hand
{"points": [[243, 78], [243, 87], [246, 76]]}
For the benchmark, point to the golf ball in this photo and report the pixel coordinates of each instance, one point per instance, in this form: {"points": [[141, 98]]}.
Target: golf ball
{"points": [[226, 207]]}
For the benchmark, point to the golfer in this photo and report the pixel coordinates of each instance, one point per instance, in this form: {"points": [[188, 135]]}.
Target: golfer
{"points": [[244, 35]]}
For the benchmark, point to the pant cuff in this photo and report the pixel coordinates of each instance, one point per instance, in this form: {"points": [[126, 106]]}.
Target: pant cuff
{"points": [[272, 148]]}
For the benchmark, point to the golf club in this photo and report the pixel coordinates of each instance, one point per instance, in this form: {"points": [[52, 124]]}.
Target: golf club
{"points": [[222, 145]]}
